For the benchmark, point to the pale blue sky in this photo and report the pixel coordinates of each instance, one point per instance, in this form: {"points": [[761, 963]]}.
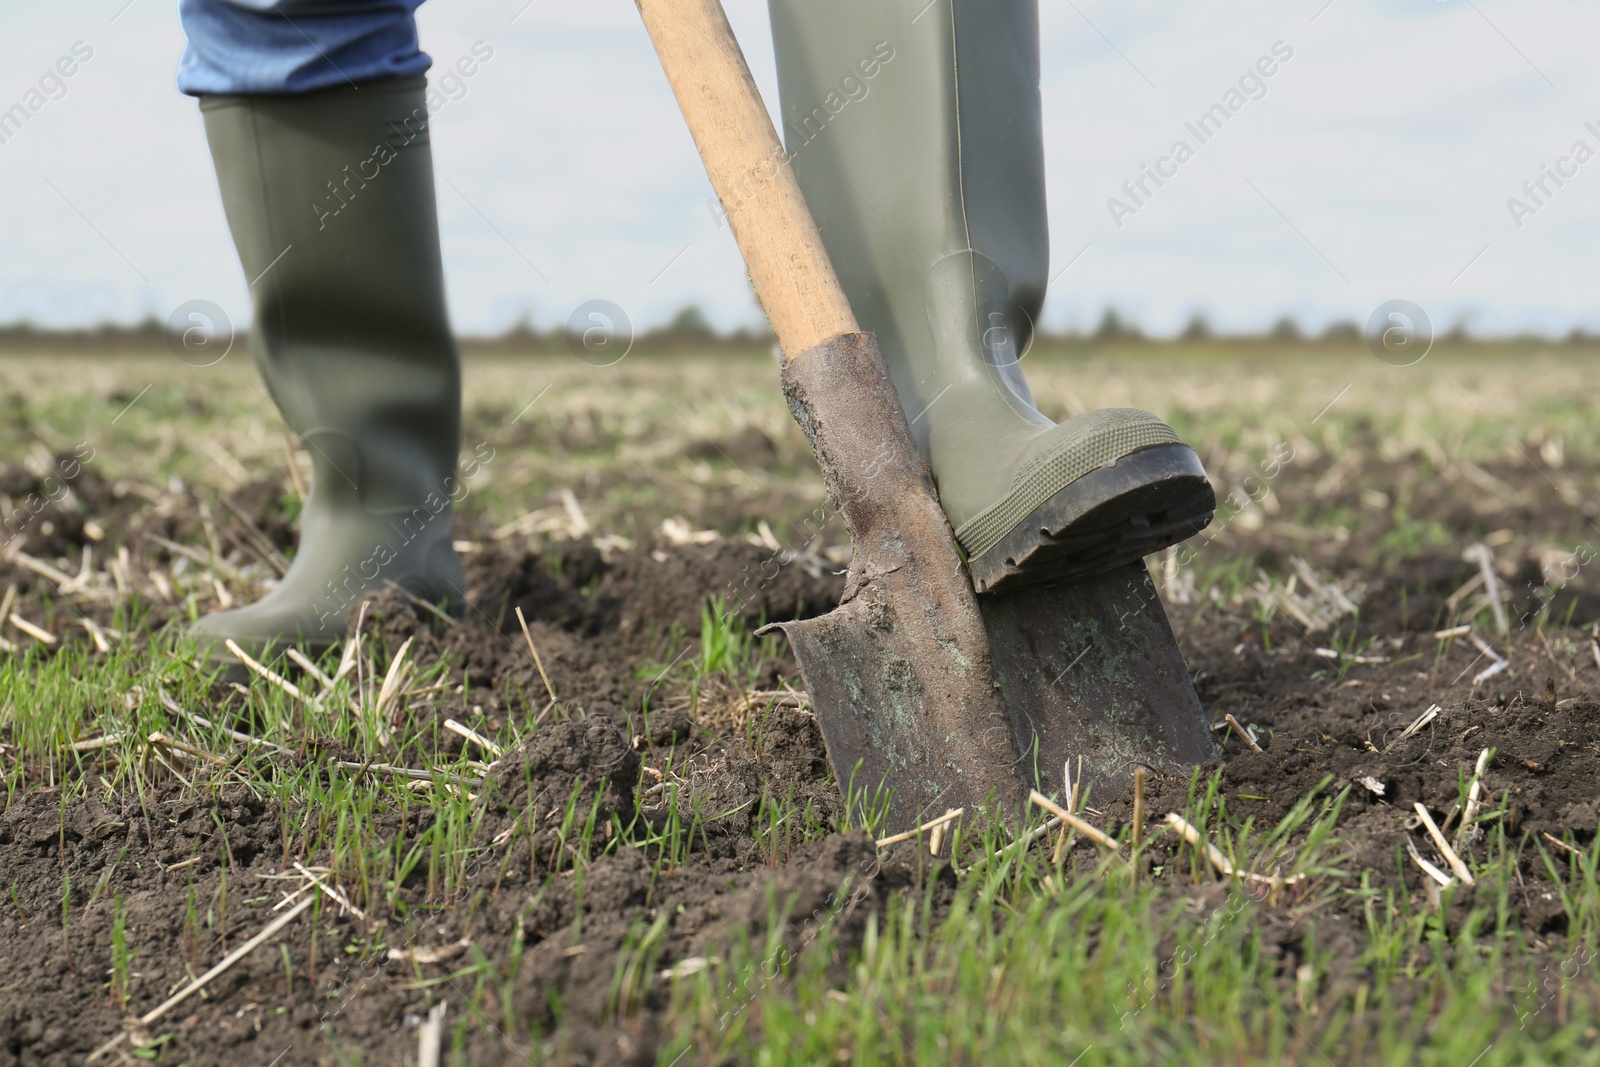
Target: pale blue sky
{"points": [[1376, 166]]}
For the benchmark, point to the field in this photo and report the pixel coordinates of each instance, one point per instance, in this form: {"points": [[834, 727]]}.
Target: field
{"points": [[614, 838]]}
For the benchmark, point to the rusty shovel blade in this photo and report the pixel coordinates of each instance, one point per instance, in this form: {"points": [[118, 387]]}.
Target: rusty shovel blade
{"points": [[930, 697]]}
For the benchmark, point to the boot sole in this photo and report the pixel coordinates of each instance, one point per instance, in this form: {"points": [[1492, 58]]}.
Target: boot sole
{"points": [[1116, 514]]}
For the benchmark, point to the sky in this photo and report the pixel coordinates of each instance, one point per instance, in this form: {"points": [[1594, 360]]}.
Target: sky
{"points": [[1379, 162]]}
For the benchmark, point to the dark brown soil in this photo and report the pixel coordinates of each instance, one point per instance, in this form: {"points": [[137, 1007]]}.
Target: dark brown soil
{"points": [[602, 630]]}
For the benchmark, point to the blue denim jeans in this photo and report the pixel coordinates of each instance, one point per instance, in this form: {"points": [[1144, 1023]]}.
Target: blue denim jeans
{"points": [[296, 46]]}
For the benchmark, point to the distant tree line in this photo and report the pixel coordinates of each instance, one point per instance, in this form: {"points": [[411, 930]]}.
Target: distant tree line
{"points": [[1113, 329], [689, 329], [145, 334]]}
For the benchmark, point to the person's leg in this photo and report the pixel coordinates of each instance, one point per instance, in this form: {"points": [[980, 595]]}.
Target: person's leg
{"points": [[916, 135], [329, 195]]}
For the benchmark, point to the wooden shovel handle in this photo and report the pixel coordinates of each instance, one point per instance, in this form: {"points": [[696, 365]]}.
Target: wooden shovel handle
{"points": [[749, 170]]}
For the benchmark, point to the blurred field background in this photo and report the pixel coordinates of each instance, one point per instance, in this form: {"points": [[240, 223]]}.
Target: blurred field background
{"points": [[698, 431]]}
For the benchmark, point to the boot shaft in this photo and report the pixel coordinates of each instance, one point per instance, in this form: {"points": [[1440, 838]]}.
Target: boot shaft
{"points": [[330, 199], [917, 138]]}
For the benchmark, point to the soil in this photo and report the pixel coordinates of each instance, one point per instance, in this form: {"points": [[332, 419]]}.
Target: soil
{"points": [[604, 630]]}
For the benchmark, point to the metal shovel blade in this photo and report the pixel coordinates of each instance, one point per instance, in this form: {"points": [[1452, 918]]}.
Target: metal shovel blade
{"points": [[930, 697], [1090, 677], [906, 723], [1090, 670]]}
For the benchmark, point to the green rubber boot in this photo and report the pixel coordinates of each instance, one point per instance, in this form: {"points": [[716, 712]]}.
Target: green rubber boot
{"points": [[916, 136], [330, 199]]}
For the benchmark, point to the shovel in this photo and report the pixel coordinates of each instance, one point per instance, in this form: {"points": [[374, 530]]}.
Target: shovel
{"points": [[928, 696]]}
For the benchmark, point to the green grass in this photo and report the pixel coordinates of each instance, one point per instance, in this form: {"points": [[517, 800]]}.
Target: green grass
{"points": [[1026, 967], [1030, 961]]}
